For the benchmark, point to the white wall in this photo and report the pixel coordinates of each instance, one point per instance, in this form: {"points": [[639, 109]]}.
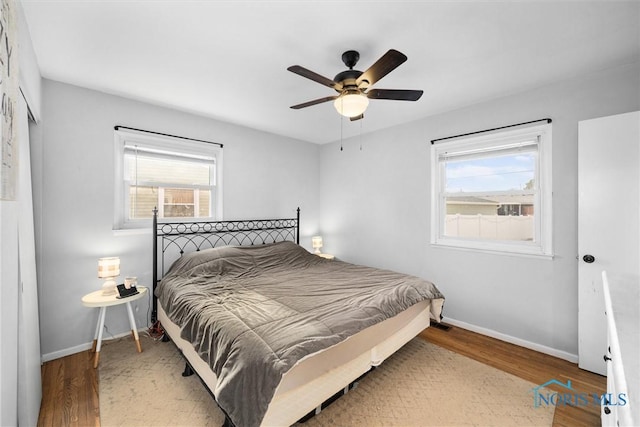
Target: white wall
{"points": [[376, 211], [264, 176]]}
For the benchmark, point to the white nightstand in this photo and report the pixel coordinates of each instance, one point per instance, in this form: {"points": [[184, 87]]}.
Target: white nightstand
{"points": [[327, 256], [96, 299]]}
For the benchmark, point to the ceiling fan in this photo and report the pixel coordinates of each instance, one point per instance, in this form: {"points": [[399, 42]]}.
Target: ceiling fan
{"points": [[353, 86]]}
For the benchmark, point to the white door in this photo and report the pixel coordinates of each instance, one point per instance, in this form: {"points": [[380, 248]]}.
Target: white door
{"points": [[608, 222], [29, 376]]}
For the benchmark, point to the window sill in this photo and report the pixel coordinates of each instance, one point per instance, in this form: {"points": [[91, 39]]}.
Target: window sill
{"points": [[131, 231], [494, 251]]}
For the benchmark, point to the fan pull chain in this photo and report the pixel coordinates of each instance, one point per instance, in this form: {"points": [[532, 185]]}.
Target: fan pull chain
{"points": [[361, 120]]}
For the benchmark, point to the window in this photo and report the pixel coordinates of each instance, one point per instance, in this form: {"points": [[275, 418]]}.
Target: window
{"points": [[179, 177], [493, 192]]}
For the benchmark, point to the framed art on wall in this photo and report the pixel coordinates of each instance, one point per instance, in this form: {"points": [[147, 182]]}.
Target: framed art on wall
{"points": [[9, 93]]}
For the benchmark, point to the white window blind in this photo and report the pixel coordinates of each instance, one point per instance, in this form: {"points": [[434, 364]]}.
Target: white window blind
{"points": [[180, 178], [526, 146]]}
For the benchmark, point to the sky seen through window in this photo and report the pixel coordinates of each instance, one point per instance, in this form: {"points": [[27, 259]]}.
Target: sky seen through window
{"points": [[499, 173]]}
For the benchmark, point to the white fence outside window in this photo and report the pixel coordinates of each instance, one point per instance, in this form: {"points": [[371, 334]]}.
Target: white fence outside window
{"points": [[496, 227]]}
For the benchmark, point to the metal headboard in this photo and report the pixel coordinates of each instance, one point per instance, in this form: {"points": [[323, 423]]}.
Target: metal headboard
{"points": [[173, 239]]}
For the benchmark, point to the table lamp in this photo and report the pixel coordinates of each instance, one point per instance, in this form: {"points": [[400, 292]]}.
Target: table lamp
{"points": [[109, 269], [316, 243]]}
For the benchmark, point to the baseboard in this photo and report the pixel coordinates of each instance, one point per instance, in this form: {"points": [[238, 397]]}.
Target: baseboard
{"points": [[573, 358], [82, 347], [65, 352]]}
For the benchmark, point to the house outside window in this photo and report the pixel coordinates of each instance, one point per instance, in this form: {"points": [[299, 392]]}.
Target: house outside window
{"points": [[179, 177], [493, 192]]}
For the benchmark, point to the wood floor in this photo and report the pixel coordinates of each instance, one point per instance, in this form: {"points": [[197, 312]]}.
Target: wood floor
{"points": [[70, 392], [70, 384], [529, 365]]}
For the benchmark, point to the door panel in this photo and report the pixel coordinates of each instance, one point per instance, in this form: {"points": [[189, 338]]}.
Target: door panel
{"points": [[29, 377], [608, 222]]}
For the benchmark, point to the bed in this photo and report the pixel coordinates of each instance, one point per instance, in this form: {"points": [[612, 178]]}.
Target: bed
{"points": [[272, 330]]}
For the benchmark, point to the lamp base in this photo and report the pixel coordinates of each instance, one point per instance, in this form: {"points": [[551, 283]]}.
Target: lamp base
{"points": [[109, 288]]}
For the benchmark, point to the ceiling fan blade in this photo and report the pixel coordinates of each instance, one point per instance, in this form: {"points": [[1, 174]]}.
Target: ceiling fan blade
{"points": [[314, 102], [395, 94], [301, 71], [383, 66]]}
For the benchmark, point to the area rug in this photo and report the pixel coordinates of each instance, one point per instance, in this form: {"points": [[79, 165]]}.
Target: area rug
{"points": [[421, 385]]}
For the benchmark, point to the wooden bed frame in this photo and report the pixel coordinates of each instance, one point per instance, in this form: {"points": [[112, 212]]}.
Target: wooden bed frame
{"points": [[312, 383]]}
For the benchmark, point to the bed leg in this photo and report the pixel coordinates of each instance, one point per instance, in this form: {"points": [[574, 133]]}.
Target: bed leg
{"points": [[165, 337], [187, 370]]}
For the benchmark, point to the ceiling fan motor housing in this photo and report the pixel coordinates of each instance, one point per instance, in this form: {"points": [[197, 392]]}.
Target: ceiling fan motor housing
{"points": [[348, 79]]}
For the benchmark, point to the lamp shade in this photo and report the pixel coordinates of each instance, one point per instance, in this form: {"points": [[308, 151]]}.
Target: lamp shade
{"points": [[351, 104], [108, 267]]}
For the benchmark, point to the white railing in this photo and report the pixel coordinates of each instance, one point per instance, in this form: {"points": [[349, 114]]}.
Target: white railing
{"points": [[498, 227]]}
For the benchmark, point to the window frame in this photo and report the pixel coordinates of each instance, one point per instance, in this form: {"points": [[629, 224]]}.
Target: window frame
{"points": [[482, 146], [166, 144]]}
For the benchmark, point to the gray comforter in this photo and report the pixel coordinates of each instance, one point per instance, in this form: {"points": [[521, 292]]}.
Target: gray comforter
{"points": [[253, 312]]}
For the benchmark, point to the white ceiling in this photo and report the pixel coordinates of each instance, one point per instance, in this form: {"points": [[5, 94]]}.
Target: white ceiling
{"points": [[228, 59]]}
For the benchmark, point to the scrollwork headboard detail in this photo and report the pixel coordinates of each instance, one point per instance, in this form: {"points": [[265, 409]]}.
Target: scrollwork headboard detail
{"points": [[172, 239]]}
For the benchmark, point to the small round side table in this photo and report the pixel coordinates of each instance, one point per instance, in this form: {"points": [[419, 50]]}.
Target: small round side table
{"points": [[96, 299]]}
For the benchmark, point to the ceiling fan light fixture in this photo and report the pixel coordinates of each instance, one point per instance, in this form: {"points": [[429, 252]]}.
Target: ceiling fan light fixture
{"points": [[351, 104]]}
